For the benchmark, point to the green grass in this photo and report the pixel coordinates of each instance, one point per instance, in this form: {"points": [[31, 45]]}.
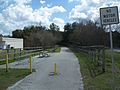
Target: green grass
{"points": [[4, 62], [58, 49], [102, 81], [11, 77]]}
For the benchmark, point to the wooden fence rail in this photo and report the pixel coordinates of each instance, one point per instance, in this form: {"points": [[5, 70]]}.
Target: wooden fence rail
{"points": [[96, 57], [14, 54]]}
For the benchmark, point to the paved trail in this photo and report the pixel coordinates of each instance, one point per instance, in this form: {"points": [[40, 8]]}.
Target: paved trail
{"points": [[68, 78], [117, 50]]}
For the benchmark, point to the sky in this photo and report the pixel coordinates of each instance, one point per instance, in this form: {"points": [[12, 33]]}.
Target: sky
{"points": [[16, 14]]}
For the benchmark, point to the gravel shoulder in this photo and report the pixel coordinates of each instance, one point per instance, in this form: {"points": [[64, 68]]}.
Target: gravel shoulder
{"points": [[68, 73]]}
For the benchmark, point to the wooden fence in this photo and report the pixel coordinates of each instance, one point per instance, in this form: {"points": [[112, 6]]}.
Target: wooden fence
{"points": [[96, 58], [16, 54]]}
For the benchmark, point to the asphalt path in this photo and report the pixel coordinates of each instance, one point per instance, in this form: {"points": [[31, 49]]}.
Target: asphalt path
{"points": [[68, 73], [117, 50]]}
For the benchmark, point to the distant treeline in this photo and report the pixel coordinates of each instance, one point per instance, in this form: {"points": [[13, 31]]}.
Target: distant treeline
{"points": [[86, 34], [89, 34], [35, 36]]}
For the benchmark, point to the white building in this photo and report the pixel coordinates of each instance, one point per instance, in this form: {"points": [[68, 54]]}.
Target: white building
{"points": [[6, 42]]}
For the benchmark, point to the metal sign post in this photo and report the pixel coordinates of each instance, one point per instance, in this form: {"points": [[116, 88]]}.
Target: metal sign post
{"points": [[112, 57], [108, 16]]}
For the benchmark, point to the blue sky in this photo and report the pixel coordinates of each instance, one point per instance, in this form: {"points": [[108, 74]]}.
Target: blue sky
{"points": [[16, 14]]}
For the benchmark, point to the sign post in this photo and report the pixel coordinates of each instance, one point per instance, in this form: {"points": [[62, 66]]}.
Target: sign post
{"points": [[108, 16], [112, 57]]}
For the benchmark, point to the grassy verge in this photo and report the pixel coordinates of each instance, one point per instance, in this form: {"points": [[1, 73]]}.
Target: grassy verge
{"points": [[58, 49], [13, 60], [102, 81], [4, 62], [9, 78]]}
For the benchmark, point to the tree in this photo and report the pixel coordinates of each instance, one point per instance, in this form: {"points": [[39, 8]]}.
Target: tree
{"points": [[18, 33], [116, 39], [54, 27], [84, 33], [1, 35], [35, 36]]}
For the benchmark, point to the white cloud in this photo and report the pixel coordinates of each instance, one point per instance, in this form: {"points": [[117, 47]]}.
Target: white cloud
{"points": [[58, 9], [1, 31], [60, 22], [19, 14], [72, 0], [49, 5], [42, 1], [89, 9], [23, 1], [76, 13], [46, 13], [1, 18]]}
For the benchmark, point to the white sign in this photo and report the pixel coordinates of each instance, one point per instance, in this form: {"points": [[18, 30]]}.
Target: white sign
{"points": [[109, 15]]}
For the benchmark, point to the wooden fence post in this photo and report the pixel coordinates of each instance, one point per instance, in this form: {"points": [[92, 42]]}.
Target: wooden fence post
{"points": [[14, 54], [103, 60], [20, 53]]}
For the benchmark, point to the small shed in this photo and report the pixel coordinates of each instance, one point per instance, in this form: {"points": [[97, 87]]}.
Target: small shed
{"points": [[6, 43]]}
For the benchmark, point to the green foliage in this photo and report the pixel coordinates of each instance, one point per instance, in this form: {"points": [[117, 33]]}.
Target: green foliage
{"points": [[17, 33], [116, 39], [58, 49], [84, 33], [88, 33], [54, 27], [102, 81], [12, 76], [67, 31], [4, 62], [36, 36]]}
